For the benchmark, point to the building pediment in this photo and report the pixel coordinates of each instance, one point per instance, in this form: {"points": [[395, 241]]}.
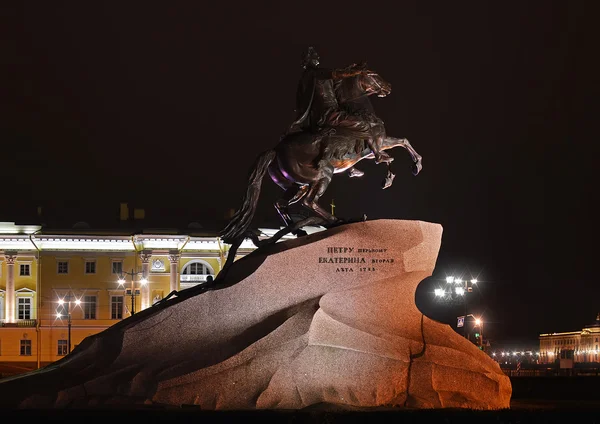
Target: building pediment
{"points": [[24, 290]]}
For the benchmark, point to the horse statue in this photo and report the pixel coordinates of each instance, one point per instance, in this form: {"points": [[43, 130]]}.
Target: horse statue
{"points": [[353, 95], [303, 163]]}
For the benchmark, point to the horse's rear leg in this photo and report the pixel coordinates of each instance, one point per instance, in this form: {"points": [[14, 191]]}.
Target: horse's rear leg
{"points": [[290, 190], [316, 191], [291, 196]]}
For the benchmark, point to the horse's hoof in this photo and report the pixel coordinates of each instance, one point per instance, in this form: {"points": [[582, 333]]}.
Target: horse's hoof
{"points": [[263, 243], [356, 173], [334, 223], [389, 179], [416, 168], [299, 233]]}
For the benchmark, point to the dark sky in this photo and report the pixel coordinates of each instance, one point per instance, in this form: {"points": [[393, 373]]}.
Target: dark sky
{"points": [[166, 105]]}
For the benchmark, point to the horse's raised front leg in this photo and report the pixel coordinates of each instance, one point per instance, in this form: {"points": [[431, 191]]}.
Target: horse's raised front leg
{"points": [[376, 145], [390, 142]]}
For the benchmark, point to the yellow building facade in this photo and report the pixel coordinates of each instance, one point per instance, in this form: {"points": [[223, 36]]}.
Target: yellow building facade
{"points": [[58, 289], [572, 347]]}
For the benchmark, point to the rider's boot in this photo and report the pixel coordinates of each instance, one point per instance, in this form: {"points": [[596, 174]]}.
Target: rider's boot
{"points": [[353, 172]]}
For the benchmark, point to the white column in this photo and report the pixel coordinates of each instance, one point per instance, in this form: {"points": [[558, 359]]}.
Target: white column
{"points": [[9, 296], [174, 260], [145, 273]]}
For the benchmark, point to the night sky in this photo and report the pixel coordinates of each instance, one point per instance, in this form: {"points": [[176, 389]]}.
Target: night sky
{"points": [[166, 107]]}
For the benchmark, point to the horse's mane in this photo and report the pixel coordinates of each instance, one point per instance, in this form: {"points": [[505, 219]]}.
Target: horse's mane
{"points": [[347, 88], [350, 94]]}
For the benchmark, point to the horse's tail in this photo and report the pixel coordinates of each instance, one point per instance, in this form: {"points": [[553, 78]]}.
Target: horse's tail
{"points": [[243, 217]]}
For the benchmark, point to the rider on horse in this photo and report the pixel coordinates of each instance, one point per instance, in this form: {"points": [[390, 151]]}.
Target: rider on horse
{"points": [[318, 108], [318, 146]]}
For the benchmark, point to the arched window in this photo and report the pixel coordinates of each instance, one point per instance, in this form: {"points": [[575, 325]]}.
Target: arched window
{"points": [[196, 268], [195, 272]]}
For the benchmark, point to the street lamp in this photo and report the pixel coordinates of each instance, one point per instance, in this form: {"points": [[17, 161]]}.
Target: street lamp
{"points": [[143, 281], [440, 292], [461, 288], [67, 301], [479, 323]]}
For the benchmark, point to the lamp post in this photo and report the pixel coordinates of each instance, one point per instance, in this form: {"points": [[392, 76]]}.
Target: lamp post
{"points": [[66, 303], [479, 323], [132, 274], [461, 288]]}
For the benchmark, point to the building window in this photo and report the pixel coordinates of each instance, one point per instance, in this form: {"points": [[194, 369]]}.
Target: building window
{"points": [[62, 348], [89, 307], [116, 307], [24, 308], [117, 267], [24, 270], [25, 347], [194, 273], [196, 268], [90, 267], [62, 267]]}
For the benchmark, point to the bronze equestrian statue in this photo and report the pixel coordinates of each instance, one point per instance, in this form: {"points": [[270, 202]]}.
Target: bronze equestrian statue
{"points": [[317, 105], [320, 144]]}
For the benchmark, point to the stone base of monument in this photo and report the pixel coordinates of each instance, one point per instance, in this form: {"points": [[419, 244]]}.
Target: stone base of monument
{"points": [[328, 319]]}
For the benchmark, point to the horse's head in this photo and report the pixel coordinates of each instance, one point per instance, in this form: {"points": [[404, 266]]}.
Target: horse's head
{"points": [[358, 88], [372, 83]]}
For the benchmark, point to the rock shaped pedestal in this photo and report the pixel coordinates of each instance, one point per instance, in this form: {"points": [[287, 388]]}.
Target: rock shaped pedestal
{"points": [[328, 318]]}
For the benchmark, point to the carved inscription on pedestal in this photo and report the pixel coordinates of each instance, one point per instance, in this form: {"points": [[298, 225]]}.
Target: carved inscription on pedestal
{"points": [[356, 259]]}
